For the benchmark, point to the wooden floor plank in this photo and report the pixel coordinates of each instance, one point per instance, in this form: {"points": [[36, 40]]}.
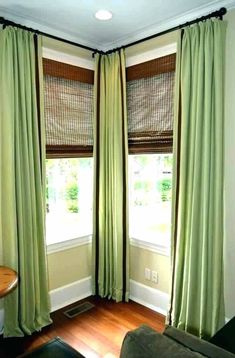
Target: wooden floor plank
{"points": [[97, 333]]}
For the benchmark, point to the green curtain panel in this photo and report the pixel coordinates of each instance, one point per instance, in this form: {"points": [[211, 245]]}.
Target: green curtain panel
{"points": [[110, 227], [22, 158], [197, 302]]}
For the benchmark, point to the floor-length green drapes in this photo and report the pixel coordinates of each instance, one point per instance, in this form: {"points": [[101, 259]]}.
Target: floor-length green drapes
{"points": [[22, 181], [110, 229], [197, 302]]}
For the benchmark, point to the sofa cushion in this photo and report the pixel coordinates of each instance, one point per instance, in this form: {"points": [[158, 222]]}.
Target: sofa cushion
{"points": [[196, 344], [144, 342]]}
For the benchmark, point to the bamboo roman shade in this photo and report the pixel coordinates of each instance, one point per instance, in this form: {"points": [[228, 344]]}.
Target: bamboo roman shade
{"points": [[68, 109], [150, 105]]}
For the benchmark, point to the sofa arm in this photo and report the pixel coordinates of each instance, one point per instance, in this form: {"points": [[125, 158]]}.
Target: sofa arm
{"points": [[145, 342], [196, 344]]}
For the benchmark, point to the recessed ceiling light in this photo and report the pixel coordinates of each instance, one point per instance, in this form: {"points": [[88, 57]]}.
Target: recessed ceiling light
{"points": [[103, 15]]}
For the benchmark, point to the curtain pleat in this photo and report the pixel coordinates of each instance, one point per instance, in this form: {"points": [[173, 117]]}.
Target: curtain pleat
{"points": [[110, 229], [197, 302], [23, 181]]}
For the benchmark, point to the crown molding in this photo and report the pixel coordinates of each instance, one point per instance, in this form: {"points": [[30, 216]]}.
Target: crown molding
{"points": [[170, 23], [145, 32], [34, 24]]}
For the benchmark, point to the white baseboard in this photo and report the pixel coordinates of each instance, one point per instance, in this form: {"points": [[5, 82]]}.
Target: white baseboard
{"points": [[1, 320], [149, 297], [78, 290], [65, 295]]}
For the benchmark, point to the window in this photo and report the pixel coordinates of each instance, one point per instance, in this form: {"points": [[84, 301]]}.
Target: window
{"points": [[68, 198], [68, 106], [150, 184], [150, 137]]}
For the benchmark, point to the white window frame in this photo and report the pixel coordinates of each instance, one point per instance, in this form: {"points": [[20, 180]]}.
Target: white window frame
{"points": [[162, 249], [159, 249], [89, 64], [69, 244], [131, 61]]}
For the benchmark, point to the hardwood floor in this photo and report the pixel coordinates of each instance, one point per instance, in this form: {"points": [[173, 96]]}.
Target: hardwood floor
{"points": [[98, 332]]}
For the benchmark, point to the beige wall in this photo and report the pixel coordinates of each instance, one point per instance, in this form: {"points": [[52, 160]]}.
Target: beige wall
{"points": [[66, 48], [67, 266], [70, 265], [153, 44], [229, 252], [141, 259]]}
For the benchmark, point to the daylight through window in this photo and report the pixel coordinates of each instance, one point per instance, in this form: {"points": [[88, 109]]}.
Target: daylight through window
{"points": [[150, 178], [68, 198]]}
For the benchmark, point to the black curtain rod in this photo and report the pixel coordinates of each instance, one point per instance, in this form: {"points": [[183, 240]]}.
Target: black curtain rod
{"points": [[6, 22], [219, 14]]}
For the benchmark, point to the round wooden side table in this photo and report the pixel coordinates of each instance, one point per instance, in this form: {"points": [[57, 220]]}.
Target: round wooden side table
{"points": [[8, 280]]}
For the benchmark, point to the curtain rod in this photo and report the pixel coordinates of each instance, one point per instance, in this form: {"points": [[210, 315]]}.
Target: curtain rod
{"points": [[6, 22], [219, 14]]}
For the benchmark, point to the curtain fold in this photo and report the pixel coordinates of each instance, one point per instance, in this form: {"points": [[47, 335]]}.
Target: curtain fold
{"points": [[197, 302], [22, 183], [110, 226]]}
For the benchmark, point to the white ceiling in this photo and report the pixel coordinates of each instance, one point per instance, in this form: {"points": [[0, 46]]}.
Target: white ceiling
{"points": [[132, 19]]}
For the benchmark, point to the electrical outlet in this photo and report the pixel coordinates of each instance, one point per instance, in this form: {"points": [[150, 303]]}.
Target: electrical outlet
{"points": [[147, 273], [154, 277]]}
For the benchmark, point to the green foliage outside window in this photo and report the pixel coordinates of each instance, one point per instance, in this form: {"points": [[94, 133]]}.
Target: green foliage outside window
{"points": [[72, 192], [164, 186], [68, 169]]}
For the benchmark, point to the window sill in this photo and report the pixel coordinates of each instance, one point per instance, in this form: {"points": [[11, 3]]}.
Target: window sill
{"points": [[84, 240], [68, 244], [157, 248]]}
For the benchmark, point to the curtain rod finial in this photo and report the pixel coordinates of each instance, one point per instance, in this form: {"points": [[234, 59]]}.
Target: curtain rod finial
{"points": [[223, 11]]}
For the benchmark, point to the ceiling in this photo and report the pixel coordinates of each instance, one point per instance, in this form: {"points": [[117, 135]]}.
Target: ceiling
{"points": [[132, 19]]}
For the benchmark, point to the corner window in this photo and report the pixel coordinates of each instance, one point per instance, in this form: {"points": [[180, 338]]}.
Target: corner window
{"points": [[150, 189], [68, 198]]}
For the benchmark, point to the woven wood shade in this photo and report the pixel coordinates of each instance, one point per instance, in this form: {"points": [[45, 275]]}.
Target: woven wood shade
{"points": [[69, 107], [68, 104], [68, 72], [150, 105], [151, 68]]}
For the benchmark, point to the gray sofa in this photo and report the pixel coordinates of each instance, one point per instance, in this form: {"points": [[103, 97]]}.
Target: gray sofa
{"points": [[145, 342]]}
